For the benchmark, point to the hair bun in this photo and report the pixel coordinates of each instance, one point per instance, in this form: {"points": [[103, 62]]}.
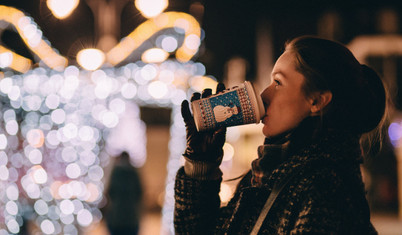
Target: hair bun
{"points": [[373, 99]]}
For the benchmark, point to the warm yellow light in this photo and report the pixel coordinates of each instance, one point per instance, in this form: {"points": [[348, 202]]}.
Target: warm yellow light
{"points": [[90, 59], [226, 192], [54, 189], [62, 8], [9, 59], [35, 138], [151, 8], [93, 192], [199, 83], [228, 152], [154, 55], [143, 32], [32, 38]]}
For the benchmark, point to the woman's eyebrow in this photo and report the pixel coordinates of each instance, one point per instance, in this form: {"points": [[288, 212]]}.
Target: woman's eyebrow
{"points": [[278, 73]]}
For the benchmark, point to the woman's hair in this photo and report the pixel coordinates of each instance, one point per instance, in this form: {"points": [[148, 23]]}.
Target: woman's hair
{"points": [[358, 95]]}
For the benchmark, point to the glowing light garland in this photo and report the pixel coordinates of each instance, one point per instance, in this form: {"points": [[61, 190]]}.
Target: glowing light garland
{"points": [[58, 126], [182, 23], [33, 38]]}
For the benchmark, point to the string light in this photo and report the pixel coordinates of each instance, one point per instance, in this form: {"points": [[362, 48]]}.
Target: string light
{"points": [[62, 8], [151, 8], [91, 58], [154, 55], [9, 59], [183, 24], [63, 126], [32, 37]]}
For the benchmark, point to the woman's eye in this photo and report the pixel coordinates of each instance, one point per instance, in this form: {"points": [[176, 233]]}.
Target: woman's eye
{"points": [[277, 82]]}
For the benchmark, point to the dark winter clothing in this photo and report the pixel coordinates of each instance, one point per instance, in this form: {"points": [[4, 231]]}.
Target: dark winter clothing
{"points": [[124, 194], [326, 196]]}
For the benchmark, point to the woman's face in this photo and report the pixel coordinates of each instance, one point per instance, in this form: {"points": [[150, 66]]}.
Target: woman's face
{"points": [[285, 103]]}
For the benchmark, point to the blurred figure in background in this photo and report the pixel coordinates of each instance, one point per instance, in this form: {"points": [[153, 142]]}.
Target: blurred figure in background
{"points": [[122, 212]]}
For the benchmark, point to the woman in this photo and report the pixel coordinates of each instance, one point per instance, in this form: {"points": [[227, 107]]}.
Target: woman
{"points": [[306, 179]]}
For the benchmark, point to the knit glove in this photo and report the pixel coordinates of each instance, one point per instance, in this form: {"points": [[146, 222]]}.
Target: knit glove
{"points": [[204, 149]]}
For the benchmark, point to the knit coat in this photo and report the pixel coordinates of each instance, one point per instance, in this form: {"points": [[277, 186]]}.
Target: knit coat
{"points": [[326, 195]]}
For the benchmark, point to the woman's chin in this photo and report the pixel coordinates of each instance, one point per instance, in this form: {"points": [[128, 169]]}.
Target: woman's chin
{"points": [[266, 131]]}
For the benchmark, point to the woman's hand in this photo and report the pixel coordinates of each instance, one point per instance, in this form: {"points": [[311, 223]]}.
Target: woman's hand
{"points": [[205, 145]]}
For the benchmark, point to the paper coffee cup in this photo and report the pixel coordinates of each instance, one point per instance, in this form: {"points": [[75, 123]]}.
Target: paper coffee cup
{"points": [[235, 106]]}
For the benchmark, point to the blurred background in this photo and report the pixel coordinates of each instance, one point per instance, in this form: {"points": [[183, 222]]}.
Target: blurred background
{"points": [[82, 81]]}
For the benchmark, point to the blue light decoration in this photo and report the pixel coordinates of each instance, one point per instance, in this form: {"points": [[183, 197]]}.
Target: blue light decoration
{"points": [[60, 124], [395, 133]]}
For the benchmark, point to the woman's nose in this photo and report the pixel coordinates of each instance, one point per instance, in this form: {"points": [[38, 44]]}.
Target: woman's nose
{"points": [[265, 94]]}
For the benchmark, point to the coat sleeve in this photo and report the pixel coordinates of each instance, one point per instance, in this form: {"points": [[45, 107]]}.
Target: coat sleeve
{"points": [[197, 204]]}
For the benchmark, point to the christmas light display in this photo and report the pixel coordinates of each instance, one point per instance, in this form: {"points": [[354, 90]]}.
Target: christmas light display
{"points": [[58, 123]]}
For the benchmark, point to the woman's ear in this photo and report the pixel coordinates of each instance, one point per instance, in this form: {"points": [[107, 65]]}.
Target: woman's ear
{"points": [[320, 101]]}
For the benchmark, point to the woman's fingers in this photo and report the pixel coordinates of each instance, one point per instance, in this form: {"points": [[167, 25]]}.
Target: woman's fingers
{"points": [[195, 96], [185, 109], [185, 112], [220, 87], [206, 92]]}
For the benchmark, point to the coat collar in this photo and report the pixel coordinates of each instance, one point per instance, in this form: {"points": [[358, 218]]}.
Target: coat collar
{"points": [[301, 147]]}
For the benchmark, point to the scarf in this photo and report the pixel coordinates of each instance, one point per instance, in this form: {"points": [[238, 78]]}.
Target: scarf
{"points": [[270, 155], [306, 137]]}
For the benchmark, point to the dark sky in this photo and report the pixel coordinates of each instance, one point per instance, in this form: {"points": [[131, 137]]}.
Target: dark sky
{"points": [[229, 25]]}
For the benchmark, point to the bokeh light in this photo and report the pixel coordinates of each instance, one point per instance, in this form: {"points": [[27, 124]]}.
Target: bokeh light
{"points": [[154, 55], [226, 193], [62, 8], [151, 8], [228, 152], [90, 59], [169, 43], [59, 125], [33, 38], [395, 133]]}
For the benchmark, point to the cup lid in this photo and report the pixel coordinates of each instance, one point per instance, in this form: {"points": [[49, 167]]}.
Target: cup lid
{"points": [[259, 106]]}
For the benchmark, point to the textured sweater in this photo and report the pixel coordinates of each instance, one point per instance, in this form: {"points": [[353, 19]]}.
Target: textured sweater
{"points": [[326, 196]]}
